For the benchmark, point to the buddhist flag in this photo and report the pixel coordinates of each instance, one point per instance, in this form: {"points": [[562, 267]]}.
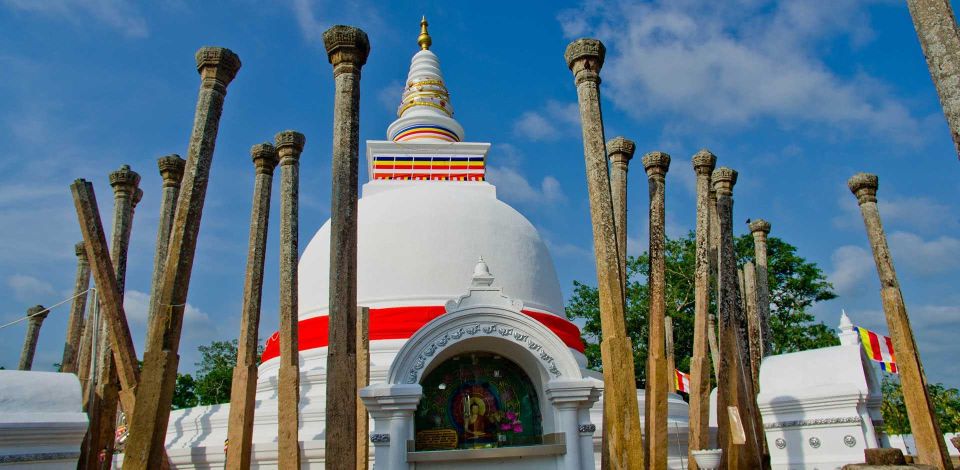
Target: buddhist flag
{"points": [[681, 381], [879, 348]]}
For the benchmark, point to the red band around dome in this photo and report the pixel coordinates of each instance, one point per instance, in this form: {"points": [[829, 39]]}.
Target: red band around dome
{"points": [[402, 323]]}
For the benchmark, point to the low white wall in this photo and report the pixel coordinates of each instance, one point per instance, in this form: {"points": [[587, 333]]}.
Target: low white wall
{"points": [[906, 443]]}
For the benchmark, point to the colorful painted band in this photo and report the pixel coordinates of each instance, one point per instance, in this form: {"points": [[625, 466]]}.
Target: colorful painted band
{"points": [[405, 133], [404, 322]]}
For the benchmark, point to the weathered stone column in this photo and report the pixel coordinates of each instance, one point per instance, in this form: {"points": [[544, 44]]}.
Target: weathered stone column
{"points": [[754, 339], [81, 284], [171, 171], [714, 347], [699, 437], [217, 67], [289, 146], [760, 229], [655, 420], [35, 317], [735, 389], [620, 151], [621, 422], [125, 183], [244, 388], [937, 30], [363, 379], [347, 49], [931, 449], [671, 359], [85, 348]]}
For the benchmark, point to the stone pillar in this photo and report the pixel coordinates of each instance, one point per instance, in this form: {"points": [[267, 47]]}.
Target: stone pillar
{"points": [[620, 151], [171, 171], [347, 50], [244, 387], [754, 340], [623, 443], [289, 146], [760, 229], [35, 317], [363, 379], [931, 449], [735, 389], [714, 347], [699, 437], [75, 323], [937, 30], [671, 359], [655, 420], [85, 348], [148, 430], [569, 397]]}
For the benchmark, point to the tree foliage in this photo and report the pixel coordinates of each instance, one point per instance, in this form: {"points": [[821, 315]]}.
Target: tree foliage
{"points": [[214, 376], [946, 405], [795, 285]]}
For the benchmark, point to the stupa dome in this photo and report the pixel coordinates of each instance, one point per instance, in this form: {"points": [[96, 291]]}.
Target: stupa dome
{"points": [[418, 245]]}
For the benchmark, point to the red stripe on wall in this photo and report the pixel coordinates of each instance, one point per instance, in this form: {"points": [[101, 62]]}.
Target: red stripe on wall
{"points": [[402, 323]]}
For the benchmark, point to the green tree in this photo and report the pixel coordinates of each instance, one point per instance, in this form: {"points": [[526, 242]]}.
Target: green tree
{"points": [[946, 405], [215, 372], [184, 395], [795, 285]]}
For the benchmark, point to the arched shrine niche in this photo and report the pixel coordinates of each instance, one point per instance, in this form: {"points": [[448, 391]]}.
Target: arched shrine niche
{"points": [[477, 400]]}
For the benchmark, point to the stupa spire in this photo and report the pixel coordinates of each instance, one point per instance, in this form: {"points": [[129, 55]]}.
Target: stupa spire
{"points": [[425, 113]]}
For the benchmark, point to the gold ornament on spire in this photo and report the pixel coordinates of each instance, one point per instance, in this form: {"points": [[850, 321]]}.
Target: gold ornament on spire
{"points": [[424, 38]]}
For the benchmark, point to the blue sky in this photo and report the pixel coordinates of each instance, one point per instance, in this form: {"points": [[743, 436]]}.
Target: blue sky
{"points": [[797, 96]]}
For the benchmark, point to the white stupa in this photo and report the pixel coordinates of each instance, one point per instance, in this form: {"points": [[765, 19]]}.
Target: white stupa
{"points": [[471, 355]]}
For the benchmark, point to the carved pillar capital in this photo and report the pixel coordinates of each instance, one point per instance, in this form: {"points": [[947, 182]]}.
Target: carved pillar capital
{"points": [[759, 228], [864, 186], [347, 48], [704, 162], [217, 67], [656, 164], [33, 313], [289, 146], [171, 170], [265, 158], [620, 150], [585, 58], [124, 182], [724, 180]]}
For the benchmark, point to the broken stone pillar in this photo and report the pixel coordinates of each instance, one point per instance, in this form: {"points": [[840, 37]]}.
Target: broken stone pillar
{"points": [[244, 387], [753, 321], [655, 419], [171, 171], [347, 50], [148, 429], [699, 436], [931, 449], [35, 317], [760, 229], [620, 151], [621, 421], [735, 388], [71, 346], [289, 145], [937, 30], [363, 379]]}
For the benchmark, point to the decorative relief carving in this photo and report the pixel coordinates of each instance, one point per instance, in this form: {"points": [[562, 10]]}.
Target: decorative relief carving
{"points": [[814, 422], [814, 442], [378, 438], [849, 440], [587, 428], [780, 443]]}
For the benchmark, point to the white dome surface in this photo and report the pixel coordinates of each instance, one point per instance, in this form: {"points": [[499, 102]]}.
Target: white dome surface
{"points": [[418, 244]]}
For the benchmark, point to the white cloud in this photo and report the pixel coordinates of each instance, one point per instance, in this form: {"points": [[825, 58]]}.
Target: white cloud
{"points": [[30, 289], [852, 266], [554, 121], [117, 14], [513, 186], [197, 325], [312, 25], [925, 257], [730, 65], [390, 95]]}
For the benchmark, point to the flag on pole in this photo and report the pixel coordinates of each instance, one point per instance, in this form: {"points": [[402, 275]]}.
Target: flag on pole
{"points": [[681, 381], [878, 348]]}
